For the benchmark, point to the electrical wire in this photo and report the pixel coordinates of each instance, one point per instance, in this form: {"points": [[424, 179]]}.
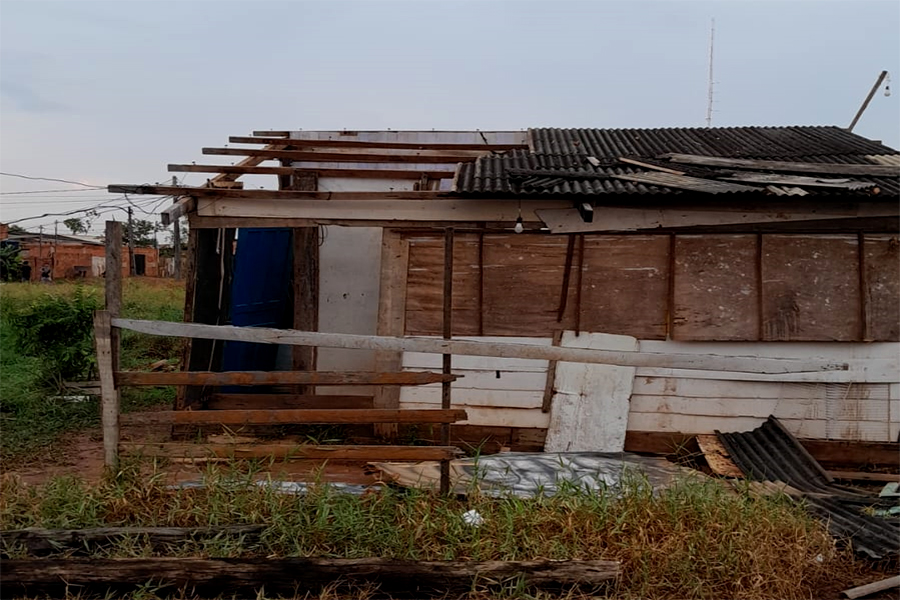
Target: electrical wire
{"points": [[49, 179], [94, 189]]}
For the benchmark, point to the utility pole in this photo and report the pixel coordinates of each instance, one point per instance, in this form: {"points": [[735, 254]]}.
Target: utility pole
{"points": [[41, 249], [130, 244], [868, 99], [176, 242], [55, 245]]}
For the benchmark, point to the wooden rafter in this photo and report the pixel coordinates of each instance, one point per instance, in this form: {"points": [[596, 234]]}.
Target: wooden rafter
{"points": [[338, 143], [206, 192], [354, 155], [354, 173]]}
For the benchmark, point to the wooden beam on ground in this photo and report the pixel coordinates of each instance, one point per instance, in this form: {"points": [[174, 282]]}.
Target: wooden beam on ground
{"points": [[135, 378], [861, 476], [785, 166], [38, 540], [263, 401], [341, 144], [355, 155], [854, 454], [391, 318], [263, 335], [347, 173], [296, 416], [872, 588], [247, 577], [109, 395], [180, 208], [293, 451], [212, 192]]}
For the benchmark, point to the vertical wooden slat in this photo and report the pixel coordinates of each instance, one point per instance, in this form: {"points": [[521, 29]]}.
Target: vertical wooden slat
{"points": [[447, 357], [578, 284], [109, 395], [567, 272], [391, 319], [863, 289], [670, 294], [113, 283], [481, 283], [551, 376], [760, 295]]}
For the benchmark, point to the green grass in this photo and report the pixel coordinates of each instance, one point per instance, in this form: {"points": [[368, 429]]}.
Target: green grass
{"points": [[32, 416], [695, 540]]}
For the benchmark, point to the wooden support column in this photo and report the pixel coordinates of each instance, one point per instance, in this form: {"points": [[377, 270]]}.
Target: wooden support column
{"points": [[190, 285], [391, 319], [306, 283], [109, 394], [447, 356]]}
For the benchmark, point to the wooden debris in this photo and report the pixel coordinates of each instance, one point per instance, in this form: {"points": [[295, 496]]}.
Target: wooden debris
{"points": [[277, 377], [248, 576], [717, 457], [38, 540], [786, 166], [872, 588], [297, 415], [287, 451]]}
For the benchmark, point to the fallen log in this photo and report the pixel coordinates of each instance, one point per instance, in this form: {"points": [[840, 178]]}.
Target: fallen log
{"points": [[36, 540], [246, 576], [872, 588]]}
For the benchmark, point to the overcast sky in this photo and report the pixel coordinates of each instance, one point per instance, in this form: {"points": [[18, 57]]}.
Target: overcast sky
{"points": [[111, 92]]}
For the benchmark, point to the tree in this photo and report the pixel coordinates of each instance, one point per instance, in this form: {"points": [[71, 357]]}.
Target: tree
{"points": [[10, 262], [144, 232], [77, 225]]}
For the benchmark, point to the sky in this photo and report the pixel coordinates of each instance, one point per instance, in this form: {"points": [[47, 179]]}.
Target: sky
{"points": [[112, 92]]}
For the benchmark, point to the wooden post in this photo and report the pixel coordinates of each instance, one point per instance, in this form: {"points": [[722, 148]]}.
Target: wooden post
{"points": [[447, 357], [306, 277], [109, 395], [113, 284], [391, 319]]}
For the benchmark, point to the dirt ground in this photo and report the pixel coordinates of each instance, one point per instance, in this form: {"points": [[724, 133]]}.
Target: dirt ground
{"points": [[81, 455]]}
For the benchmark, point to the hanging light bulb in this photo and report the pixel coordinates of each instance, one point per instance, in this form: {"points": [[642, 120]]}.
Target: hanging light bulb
{"points": [[519, 228]]}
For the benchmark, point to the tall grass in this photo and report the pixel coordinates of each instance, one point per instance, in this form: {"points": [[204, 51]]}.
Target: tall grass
{"points": [[695, 540], [32, 413]]}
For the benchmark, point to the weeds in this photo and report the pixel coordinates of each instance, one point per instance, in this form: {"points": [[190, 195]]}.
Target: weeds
{"points": [[45, 336], [694, 540]]}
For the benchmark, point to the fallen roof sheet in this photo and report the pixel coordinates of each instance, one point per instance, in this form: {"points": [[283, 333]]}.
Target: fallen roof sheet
{"points": [[528, 474], [771, 453]]}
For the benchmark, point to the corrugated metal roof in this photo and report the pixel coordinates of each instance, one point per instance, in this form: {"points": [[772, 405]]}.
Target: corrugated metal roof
{"points": [[732, 142], [771, 453]]}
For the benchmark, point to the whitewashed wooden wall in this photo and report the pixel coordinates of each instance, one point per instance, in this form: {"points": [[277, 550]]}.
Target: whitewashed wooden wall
{"points": [[862, 403]]}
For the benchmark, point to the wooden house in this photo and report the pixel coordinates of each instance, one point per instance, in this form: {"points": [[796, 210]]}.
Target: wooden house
{"points": [[755, 243]]}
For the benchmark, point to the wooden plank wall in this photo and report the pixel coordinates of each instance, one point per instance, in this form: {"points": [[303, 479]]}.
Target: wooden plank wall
{"points": [[725, 287]]}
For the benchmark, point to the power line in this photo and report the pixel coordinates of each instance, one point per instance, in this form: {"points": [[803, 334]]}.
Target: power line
{"points": [[78, 210], [49, 179], [94, 189]]}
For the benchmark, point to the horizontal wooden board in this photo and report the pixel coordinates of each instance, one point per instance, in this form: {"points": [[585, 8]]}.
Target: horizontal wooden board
{"points": [[625, 287], [250, 378], [484, 398], [293, 415], [862, 410], [715, 288], [882, 287], [705, 388], [526, 381], [246, 401], [292, 451], [811, 288], [497, 417]]}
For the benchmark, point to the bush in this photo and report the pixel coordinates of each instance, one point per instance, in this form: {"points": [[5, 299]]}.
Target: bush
{"points": [[59, 331]]}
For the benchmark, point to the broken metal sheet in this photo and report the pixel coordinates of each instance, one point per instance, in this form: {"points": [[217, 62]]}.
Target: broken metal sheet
{"points": [[799, 180], [770, 453], [529, 474]]}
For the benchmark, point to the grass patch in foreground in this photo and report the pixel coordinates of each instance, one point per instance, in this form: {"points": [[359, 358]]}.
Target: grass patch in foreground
{"points": [[31, 420], [695, 540]]}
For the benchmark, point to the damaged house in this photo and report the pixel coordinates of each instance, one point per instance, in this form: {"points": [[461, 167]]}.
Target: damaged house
{"points": [[730, 249]]}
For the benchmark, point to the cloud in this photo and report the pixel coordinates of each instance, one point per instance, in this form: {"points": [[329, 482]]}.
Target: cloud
{"points": [[22, 85]]}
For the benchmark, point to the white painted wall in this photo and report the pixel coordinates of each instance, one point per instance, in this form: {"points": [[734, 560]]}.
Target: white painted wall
{"points": [[862, 403]]}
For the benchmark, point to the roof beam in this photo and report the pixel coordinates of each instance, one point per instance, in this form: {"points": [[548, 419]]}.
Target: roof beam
{"points": [[349, 173], [787, 166], [235, 194], [182, 206], [354, 155], [338, 143]]}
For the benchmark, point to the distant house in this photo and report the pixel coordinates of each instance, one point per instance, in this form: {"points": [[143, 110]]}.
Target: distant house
{"points": [[763, 243], [74, 256]]}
